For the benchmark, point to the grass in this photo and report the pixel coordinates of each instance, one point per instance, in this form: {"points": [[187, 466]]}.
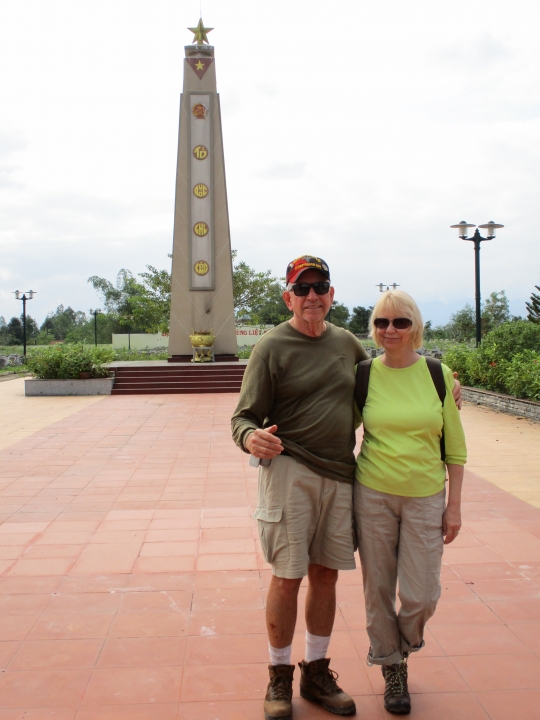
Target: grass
{"points": [[158, 354], [14, 370]]}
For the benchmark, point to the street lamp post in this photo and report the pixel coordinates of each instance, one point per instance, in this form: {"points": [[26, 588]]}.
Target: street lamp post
{"points": [[382, 287], [462, 229], [24, 298], [95, 313]]}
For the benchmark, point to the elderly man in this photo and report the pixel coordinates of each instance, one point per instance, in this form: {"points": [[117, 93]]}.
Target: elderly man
{"points": [[295, 414]]}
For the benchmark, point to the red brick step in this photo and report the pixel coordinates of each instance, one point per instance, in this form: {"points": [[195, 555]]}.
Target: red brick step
{"points": [[182, 378]]}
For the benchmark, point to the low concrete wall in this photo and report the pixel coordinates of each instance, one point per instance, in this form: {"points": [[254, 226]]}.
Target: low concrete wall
{"points": [[503, 403], [95, 386]]}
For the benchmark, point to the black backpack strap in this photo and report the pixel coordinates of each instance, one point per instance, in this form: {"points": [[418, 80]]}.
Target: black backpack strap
{"points": [[362, 383], [436, 372]]}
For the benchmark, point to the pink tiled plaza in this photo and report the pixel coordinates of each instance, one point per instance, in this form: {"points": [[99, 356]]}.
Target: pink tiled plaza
{"points": [[133, 587]]}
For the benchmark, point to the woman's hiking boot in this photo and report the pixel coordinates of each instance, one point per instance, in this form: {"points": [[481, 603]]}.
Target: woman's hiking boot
{"points": [[396, 694]]}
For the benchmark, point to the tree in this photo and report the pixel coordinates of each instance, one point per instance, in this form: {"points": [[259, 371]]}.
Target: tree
{"points": [[271, 310], [339, 315], [495, 311], [462, 325], [254, 290], [15, 331], [151, 309], [32, 328], [106, 326], [431, 333], [59, 323], [117, 298], [359, 322], [144, 305], [533, 307], [139, 306]]}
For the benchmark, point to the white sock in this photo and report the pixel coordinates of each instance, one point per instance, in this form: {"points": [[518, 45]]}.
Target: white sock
{"points": [[280, 656], [316, 646]]}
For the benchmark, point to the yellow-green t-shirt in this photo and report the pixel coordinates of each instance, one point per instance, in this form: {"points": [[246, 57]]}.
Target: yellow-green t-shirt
{"points": [[403, 420]]}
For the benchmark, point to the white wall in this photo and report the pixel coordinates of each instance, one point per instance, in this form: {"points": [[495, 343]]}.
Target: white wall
{"points": [[140, 341], [250, 334], [245, 335]]}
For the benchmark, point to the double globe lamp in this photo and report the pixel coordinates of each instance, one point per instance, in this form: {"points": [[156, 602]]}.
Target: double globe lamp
{"points": [[463, 230]]}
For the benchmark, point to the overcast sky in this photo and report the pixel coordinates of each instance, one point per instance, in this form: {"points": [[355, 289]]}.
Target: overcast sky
{"points": [[358, 130]]}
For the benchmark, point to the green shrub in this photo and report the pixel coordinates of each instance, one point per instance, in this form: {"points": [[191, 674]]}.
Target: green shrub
{"points": [[522, 377], [244, 352], [64, 362], [508, 360], [487, 368], [489, 365], [513, 337], [458, 358]]}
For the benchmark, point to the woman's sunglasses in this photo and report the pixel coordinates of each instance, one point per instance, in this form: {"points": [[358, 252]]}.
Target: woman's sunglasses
{"points": [[302, 289], [398, 323]]}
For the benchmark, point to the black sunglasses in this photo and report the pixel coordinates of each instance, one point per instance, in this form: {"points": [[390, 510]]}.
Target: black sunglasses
{"points": [[302, 289], [398, 323]]}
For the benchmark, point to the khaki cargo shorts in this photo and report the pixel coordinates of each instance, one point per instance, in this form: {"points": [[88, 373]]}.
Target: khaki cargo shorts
{"points": [[304, 519]]}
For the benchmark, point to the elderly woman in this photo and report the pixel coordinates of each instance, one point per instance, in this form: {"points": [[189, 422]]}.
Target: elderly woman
{"points": [[403, 514]]}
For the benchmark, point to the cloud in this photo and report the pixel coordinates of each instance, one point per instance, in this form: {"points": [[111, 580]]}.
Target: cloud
{"points": [[283, 171], [362, 150], [268, 89], [475, 54], [10, 144]]}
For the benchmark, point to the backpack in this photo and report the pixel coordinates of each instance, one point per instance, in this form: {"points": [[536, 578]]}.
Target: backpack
{"points": [[362, 385]]}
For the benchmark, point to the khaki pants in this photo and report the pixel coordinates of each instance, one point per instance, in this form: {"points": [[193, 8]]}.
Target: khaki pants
{"points": [[400, 539], [304, 519]]}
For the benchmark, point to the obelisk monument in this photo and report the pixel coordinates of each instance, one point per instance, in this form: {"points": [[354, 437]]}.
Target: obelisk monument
{"points": [[202, 287]]}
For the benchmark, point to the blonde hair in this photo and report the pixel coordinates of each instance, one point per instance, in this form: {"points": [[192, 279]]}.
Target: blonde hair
{"points": [[402, 305]]}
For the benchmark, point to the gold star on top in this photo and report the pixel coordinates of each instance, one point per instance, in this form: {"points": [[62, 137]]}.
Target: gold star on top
{"points": [[200, 33], [199, 65]]}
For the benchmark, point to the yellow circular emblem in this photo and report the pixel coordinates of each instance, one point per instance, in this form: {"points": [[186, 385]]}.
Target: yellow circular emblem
{"points": [[199, 111], [201, 267], [200, 152], [200, 190], [200, 229]]}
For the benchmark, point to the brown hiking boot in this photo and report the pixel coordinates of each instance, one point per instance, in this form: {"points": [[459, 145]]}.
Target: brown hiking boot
{"points": [[277, 703], [396, 694], [318, 684]]}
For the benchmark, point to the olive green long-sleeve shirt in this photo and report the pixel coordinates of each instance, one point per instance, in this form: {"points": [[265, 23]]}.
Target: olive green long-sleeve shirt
{"points": [[305, 386]]}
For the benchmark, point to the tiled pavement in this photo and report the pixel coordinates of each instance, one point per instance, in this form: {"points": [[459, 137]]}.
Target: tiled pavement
{"points": [[132, 585]]}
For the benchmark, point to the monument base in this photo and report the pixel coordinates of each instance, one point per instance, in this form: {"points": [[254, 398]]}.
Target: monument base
{"points": [[188, 358]]}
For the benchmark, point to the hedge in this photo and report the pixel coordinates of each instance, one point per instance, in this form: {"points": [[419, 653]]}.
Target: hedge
{"points": [[63, 362], [508, 360]]}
